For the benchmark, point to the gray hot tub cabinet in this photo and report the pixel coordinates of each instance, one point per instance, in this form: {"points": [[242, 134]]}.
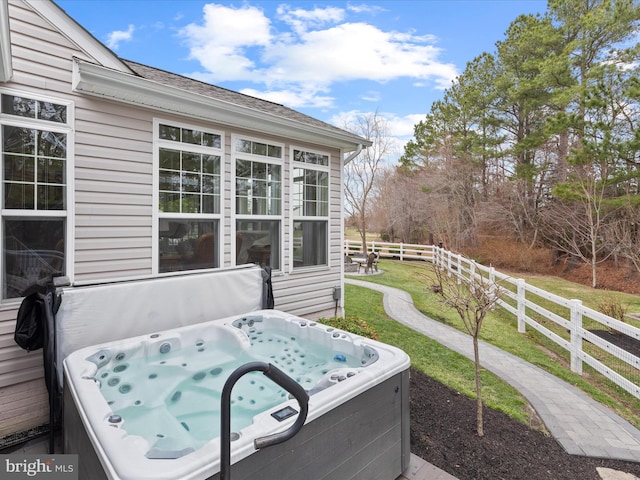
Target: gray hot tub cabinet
{"points": [[365, 438]]}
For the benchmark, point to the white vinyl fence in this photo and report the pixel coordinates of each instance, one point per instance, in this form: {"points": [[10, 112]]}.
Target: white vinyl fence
{"points": [[598, 340]]}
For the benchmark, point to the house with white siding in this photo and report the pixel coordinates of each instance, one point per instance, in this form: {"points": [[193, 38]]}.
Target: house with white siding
{"points": [[116, 170]]}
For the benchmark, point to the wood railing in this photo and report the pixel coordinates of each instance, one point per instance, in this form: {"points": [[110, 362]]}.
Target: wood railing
{"points": [[588, 335]]}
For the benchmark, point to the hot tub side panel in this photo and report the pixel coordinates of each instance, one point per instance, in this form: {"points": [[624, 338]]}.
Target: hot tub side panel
{"points": [[76, 440], [365, 438]]}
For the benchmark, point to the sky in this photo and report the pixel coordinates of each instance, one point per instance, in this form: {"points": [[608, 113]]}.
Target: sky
{"points": [[332, 60]]}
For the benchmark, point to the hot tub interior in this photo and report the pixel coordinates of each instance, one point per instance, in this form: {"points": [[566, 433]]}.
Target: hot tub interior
{"points": [[166, 388]]}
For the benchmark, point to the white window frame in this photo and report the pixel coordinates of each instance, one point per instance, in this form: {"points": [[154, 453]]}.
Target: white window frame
{"points": [[159, 143], [67, 214], [235, 155], [293, 217]]}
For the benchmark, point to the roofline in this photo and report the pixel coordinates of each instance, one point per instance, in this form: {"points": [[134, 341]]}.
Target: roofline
{"points": [[76, 33], [6, 67], [107, 83]]}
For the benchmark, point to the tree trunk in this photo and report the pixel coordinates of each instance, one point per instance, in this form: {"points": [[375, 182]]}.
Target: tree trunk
{"points": [[594, 263], [363, 235], [479, 421]]}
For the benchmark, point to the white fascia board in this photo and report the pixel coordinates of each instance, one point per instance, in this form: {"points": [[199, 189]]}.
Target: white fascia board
{"points": [[106, 83], [67, 26], [6, 66]]}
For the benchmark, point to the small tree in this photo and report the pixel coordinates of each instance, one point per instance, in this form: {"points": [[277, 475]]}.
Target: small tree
{"points": [[471, 298]]}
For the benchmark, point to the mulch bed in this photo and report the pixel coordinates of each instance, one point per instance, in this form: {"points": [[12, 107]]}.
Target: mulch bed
{"points": [[620, 340], [443, 432]]}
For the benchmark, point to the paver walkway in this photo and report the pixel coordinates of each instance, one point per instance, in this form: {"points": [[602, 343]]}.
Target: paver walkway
{"points": [[580, 424]]}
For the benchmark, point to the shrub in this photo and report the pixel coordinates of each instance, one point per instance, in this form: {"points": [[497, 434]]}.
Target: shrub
{"points": [[613, 308], [351, 324]]}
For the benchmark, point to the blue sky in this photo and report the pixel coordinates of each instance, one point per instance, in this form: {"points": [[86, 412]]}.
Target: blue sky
{"points": [[331, 60]]}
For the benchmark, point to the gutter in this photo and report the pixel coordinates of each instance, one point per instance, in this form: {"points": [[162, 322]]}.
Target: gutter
{"points": [[354, 154], [6, 68]]}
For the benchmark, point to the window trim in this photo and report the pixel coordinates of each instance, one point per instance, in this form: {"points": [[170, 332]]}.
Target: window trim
{"points": [[293, 218], [157, 144], [68, 214], [235, 155]]}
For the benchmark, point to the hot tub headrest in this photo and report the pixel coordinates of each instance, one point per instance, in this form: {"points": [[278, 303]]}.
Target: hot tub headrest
{"points": [[95, 314]]}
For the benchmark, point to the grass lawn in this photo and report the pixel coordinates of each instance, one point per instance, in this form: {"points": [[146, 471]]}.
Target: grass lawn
{"points": [[499, 329]]}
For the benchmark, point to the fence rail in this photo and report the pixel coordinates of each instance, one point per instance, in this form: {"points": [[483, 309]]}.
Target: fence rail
{"points": [[580, 330]]}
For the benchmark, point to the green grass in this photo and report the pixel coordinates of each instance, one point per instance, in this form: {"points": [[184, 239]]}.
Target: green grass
{"points": [[499, 329], [590, 297]]}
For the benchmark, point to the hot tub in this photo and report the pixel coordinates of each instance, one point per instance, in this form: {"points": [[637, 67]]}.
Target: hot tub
{"points": [[148, 407]]}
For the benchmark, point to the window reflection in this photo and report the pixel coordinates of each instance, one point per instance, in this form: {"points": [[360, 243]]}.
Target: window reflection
{"points": [[258, 242], [187, 244], [33, 251]]}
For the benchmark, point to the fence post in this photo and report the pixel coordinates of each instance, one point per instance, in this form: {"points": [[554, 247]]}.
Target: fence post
{"points": [[521, 297], [576, 337], [401, 251], [472, 272], [492, 283]]}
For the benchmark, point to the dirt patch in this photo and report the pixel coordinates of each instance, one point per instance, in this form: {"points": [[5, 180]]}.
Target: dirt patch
{"points": [[443, 433], [608, 276], [509, 255]]}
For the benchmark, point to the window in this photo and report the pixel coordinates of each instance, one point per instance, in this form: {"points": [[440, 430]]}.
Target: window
{"points": [[189, 197], [310, 203], [258, 195], [34, 138], [309, 243]]}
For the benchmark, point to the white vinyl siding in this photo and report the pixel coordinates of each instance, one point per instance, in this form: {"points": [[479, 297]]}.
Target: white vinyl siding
{"points": [[113, 192]]}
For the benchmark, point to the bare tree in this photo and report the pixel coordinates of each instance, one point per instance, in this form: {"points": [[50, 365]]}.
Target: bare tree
{"points": [[452, 202], [622, 236], [576, 221], [472, 298], [400, 205], [360, 174]]}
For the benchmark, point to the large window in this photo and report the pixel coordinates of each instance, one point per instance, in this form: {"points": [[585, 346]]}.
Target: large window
{"points": [[310, 202], [258, 195], [34, 138], [189, 197]]}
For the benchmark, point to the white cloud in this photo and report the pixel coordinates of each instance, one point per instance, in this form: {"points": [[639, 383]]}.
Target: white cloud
{"points": [[301, 20], [363, 8], [308, 52], [354, 51], [371, 96], [220, 43], [292, 98], [403, 126], [117, 36]]}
